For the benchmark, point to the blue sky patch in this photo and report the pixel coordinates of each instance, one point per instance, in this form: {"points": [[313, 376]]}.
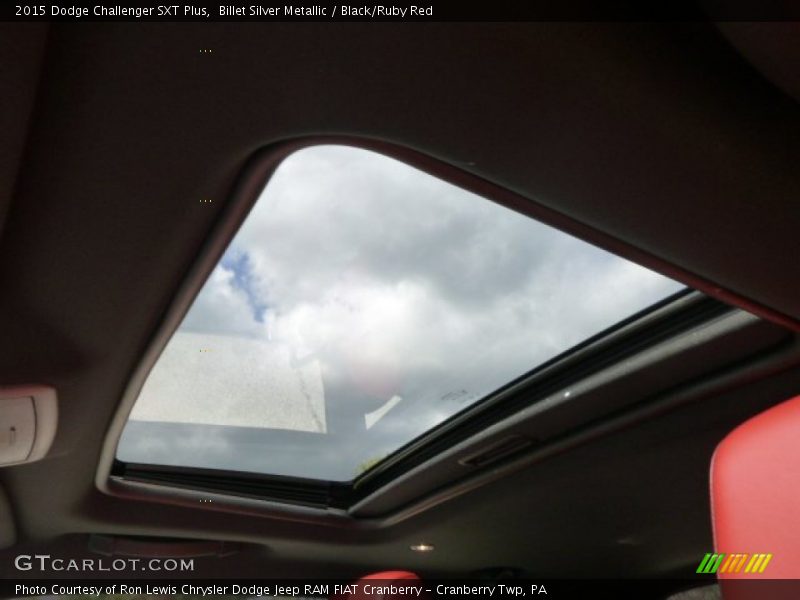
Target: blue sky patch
{"points": [[239, 263]]}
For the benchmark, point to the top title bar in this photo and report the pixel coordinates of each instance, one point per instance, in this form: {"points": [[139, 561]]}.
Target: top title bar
{"points": [[417, 11]]}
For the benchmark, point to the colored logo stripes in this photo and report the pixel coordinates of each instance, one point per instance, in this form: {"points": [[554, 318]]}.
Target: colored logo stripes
{"points": [[734, 563]]}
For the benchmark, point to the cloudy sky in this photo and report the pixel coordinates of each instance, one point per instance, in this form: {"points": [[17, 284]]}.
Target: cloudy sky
{"points": [[361, 286]]}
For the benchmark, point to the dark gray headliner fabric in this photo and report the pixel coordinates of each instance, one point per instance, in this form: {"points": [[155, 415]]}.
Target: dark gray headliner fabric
{"points": [[659, 135]]}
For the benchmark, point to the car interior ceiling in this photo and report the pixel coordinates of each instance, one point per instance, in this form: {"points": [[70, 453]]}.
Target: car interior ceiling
{"points": [[673, 144]]}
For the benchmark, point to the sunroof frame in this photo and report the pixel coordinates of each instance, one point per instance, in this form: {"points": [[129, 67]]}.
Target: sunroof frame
{"points": [[255, 176]]}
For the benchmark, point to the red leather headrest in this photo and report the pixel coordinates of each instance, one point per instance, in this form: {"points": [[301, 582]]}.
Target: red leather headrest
{"points": [[755, 492]]}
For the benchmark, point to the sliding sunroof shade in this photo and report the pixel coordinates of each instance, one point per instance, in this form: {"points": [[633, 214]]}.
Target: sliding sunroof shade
{"points": [[362, 303]]}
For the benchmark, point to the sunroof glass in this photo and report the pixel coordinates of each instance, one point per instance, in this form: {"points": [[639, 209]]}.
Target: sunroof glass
{"points": [[362, 303]]}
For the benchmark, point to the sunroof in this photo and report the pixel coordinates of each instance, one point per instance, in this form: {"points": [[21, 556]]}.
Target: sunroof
{"points": [[362, 303]]}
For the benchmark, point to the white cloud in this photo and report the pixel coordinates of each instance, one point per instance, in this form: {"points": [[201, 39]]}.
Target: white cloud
{"points": [[397, 283], [222, 307]]}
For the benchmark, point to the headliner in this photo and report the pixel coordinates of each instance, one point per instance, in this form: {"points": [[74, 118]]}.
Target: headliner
{"points": [[662, 137]]}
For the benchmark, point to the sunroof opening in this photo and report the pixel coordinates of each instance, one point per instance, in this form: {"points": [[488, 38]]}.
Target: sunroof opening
{"points": [[362, 303]]}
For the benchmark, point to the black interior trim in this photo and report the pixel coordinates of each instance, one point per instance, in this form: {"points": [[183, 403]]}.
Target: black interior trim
{"points": [[282, 489]]}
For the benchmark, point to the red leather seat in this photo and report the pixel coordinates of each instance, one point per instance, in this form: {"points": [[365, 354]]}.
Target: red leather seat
{"points": [[755, 492]]}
